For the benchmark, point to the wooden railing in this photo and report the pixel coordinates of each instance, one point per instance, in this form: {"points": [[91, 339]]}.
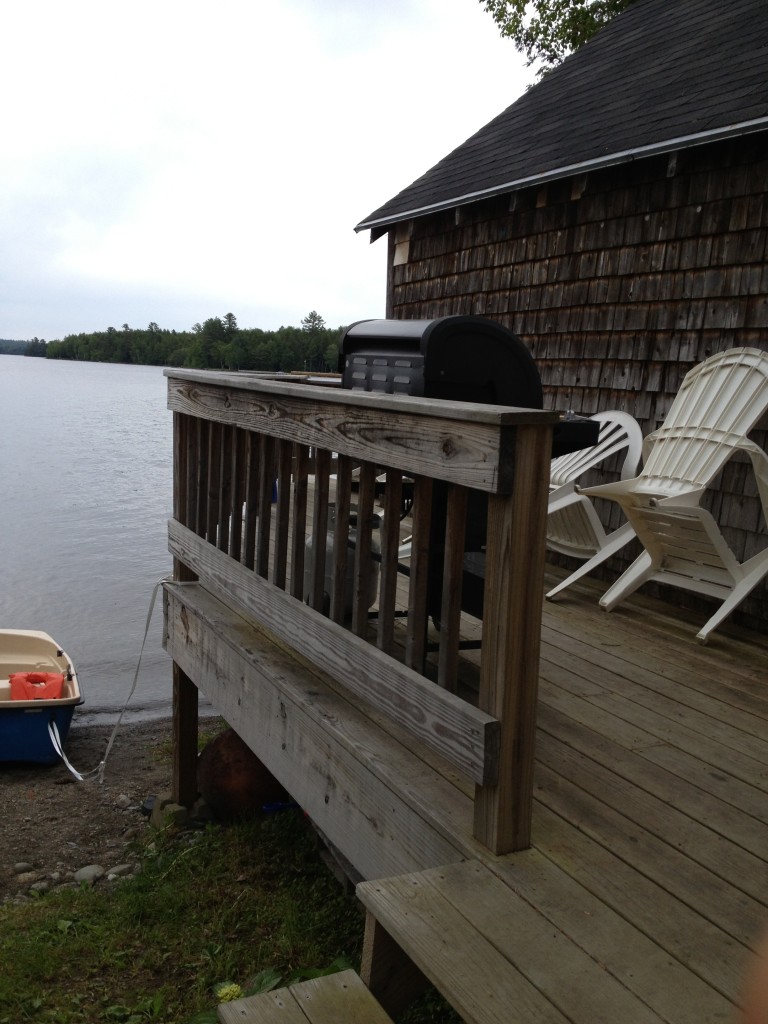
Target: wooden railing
{"points": [[260, 462]]}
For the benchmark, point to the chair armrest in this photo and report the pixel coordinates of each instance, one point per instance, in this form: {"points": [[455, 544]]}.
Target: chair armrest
{"points": [[759, 461], [636, 492]]}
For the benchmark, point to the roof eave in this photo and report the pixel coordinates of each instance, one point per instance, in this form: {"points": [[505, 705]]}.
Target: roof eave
{"points": [[379, 225]]}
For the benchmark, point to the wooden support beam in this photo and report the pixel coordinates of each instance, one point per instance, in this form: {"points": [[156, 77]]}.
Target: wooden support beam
{"points": [[185, 709], [387, 971]]}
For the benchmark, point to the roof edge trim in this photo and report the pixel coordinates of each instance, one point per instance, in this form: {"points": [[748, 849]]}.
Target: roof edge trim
{"points": [[623, 156]]}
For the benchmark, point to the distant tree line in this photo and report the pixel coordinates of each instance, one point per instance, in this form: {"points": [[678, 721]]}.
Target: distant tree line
{"points": [[216, 344], [35, 347]]}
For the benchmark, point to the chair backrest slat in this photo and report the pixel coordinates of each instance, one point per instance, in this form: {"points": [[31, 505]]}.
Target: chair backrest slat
{"points": [[618, 431], [719, 401]]}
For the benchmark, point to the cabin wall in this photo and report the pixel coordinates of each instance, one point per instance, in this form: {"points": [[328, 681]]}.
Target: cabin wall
{"points": [[620, 281]]}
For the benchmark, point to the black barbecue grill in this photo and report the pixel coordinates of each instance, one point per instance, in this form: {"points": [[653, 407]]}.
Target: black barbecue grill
{"points": [[455, 358], [458, 358]]}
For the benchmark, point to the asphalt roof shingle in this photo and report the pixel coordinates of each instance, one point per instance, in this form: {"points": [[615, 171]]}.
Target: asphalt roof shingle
{"points": [[658, 77]]}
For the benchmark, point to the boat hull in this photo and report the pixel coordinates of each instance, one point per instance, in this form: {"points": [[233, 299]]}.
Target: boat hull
{"points": [[25, 725]]}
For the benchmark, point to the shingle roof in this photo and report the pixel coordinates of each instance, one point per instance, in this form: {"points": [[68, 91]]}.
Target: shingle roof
{"points": [[663, 75]]}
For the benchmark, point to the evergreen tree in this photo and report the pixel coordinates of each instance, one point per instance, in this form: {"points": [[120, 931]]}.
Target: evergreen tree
{"points": [[313, 322]]}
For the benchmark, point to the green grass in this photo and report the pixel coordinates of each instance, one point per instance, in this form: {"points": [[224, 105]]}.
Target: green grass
{"points": [[249, 904], [210, 907]]}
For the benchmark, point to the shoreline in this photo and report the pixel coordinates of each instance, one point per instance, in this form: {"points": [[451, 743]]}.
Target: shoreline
{"points": [[57, 825], [90, 716]]}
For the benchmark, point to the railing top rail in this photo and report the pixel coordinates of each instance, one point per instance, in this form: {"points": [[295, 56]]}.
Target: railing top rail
{"points": [[302, 387]]}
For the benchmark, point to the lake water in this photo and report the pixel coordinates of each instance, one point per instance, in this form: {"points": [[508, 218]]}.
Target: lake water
{"points": [[86, 471]]}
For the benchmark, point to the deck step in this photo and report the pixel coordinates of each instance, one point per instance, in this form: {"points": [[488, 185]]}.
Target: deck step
{"points": [[332, 999], [493, 956]]}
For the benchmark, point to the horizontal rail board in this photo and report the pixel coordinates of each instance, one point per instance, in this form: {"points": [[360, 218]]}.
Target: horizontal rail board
{"points": [[466, 737], [375, 799], [418, 436], [503, 415]]}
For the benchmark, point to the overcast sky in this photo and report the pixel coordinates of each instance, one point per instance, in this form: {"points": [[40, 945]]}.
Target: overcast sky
{"points": [[172, 161]]}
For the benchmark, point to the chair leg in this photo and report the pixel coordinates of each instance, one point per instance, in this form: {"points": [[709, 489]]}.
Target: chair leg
{"points": [[755, 569], [615, 542], [641, 570]]}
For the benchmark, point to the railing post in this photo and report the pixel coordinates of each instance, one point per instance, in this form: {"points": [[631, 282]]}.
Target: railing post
{"points": [[185, 724], [509, 669], [185, 701]]}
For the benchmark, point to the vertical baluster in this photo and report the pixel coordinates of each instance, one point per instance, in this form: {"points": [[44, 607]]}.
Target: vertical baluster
{"points": [[225, 488], [319, 529], [421, 517], [202, 428], [250, 518], [450, 605], [214, 484], [341, 539], [390, 542], [298, 540], [282, 513], [266, 488], [182, 458], [363, 563]]}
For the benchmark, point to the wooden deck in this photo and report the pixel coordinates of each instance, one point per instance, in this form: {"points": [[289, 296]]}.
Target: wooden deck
{"points": [[645, 885], [650, 823], [647, 881]]}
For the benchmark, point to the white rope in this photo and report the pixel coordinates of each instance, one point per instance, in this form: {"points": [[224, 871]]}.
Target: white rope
{"points": [[54, 732], [103, 763]]}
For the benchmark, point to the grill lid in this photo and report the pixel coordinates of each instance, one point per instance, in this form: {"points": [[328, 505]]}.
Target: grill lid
{"points": [[460, 358]]}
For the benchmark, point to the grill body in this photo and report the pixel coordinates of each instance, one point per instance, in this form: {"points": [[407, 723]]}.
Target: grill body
{"points": [[455, 358]]}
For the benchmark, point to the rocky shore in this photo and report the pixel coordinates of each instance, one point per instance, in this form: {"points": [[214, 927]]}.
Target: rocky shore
{"points": [[57, 831]]}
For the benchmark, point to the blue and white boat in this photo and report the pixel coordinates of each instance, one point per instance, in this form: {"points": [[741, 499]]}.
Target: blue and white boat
{"points": [[39, 692]]}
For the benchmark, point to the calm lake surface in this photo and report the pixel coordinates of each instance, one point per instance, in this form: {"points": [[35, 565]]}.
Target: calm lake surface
{"points": [[86, 471]]}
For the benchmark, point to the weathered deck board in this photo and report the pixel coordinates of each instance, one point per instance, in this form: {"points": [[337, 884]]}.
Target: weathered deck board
{"points": [[333, 999], [650, 835], [647, 880], [650, 826]]}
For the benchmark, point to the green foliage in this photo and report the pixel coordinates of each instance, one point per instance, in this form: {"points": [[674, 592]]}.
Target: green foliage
{"points": [[35, 347], [216, 344], [313, 322], [548, 30]]}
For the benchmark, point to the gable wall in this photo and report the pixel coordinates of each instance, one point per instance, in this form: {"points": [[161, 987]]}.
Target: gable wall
{"points": [[619, 281]]}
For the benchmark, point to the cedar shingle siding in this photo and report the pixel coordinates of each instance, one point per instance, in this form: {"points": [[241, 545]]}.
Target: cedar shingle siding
{"points": [[619, 276]]}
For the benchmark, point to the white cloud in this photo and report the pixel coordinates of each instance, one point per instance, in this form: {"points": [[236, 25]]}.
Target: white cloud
{"points": [[171, 160]]}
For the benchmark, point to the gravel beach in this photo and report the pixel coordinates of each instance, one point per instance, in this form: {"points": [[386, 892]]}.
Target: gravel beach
{"points": [[54, 825]]}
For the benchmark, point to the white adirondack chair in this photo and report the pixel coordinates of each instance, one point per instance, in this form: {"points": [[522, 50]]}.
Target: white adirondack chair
{"points": [[719, 401], [573, 526]]}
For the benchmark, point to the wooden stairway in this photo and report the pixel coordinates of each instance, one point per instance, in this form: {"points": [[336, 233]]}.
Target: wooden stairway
{"points": [[493, 955], [334, 999]]}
